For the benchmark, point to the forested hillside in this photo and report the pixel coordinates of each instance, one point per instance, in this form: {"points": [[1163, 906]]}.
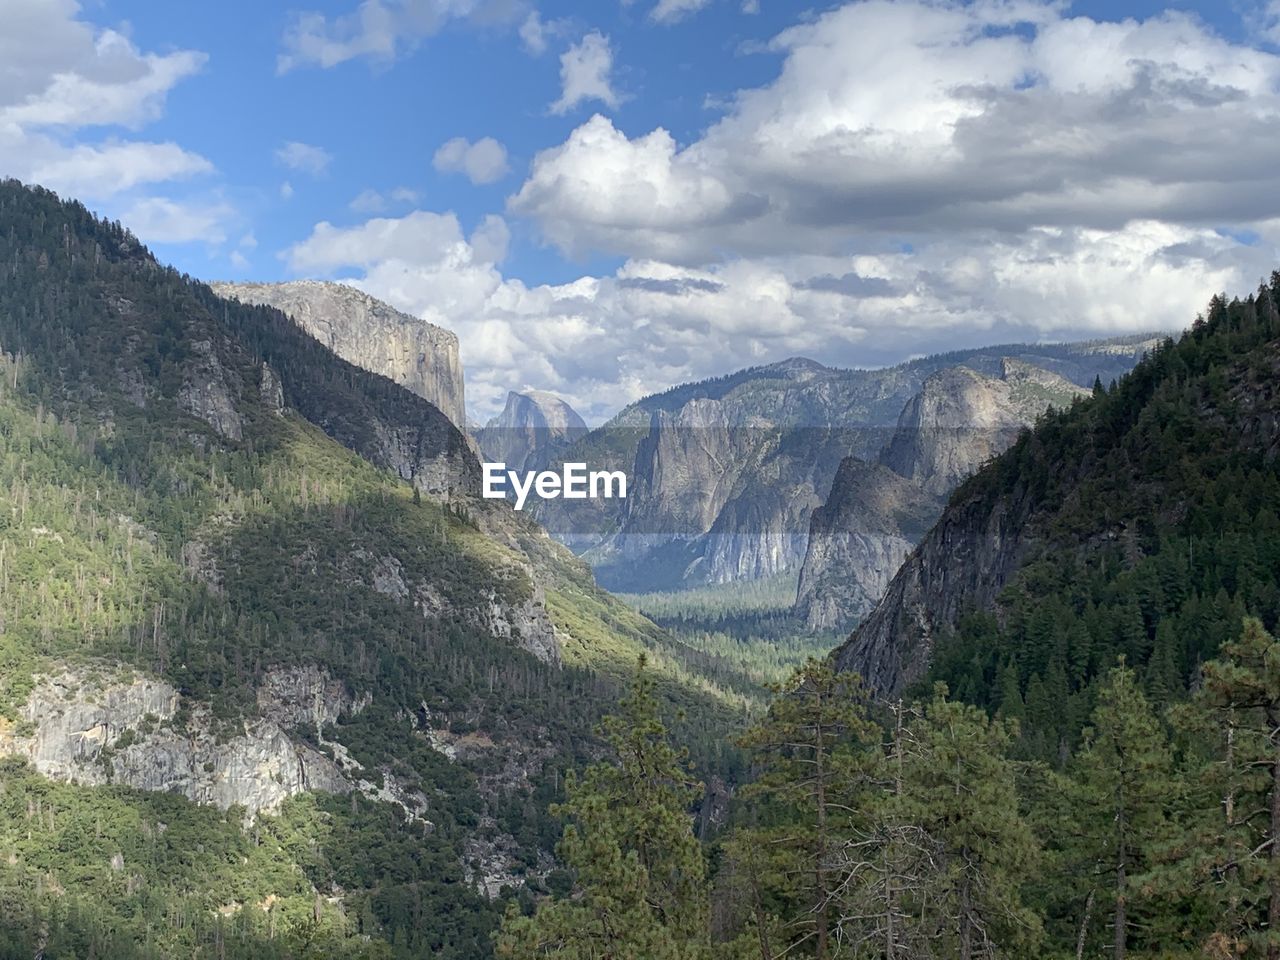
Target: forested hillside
{"points": [[1143, 522], [1069, 746], [369, 683]]}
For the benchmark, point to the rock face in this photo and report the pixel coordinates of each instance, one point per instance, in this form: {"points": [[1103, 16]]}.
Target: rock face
{"points": [[858, 540], [365, 331], [726, 473], [531, 429], [124, 729], [958, 421], [991, 528]]}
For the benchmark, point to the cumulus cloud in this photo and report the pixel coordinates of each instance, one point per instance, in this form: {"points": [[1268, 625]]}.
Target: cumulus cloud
{"points": [[482, 162], [304, 157], [603, 341], [914, 117], [670, 11], [161, 220], [918, 176], [585, 70], [382, 30], [62, 77]]}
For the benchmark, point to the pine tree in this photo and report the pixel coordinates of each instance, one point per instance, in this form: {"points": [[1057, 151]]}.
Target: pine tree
{"points": [[818, 756], [640, 879], [959, 790], [1226, 858], [1120, 788]]}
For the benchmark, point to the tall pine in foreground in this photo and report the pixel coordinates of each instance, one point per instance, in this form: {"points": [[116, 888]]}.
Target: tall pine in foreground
{"points": [[960, 791], [1120, 788], [818, 758], [1226, 861], [639, 875]]}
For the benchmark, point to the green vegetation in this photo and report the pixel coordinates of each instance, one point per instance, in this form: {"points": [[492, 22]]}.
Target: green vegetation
{"points": [[209, 549], [1156, 508], [745, 634]]}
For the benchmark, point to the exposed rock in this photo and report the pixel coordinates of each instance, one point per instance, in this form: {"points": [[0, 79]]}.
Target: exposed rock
{"points": [[727, 472], [206, 393], [532, 427], [108, 725], [874, 515], [271, 390], [961, 419], [418, 355], [857, 542], [527, 624]]}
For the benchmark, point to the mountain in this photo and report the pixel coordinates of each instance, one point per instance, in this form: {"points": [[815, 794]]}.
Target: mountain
{"points": [[727, 472], [959, 420], [418, 355], [531, 429], [857, 540], [1140, 522], [274, 680]]}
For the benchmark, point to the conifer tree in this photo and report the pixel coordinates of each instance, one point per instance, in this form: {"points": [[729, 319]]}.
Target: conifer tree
{"points": [[959, 790], [1227, 858], [1120, 787], [640, 879], [819, 756]]}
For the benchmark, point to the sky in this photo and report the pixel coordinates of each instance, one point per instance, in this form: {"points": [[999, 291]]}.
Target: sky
{"points": [[604, 198]]}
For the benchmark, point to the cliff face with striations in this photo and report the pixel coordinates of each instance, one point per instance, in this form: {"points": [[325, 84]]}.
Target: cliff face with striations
{"points": [[960, 419], [531, 429], [728, 471], [371, 334], [857, 541], [873, 516], [1103, 485]]}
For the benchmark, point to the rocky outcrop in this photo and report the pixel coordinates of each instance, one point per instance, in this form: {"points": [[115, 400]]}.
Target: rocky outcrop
{"points": [[727, 472], [105, 724], [960, 419], [363, 330], [531, 429], [206, 392], [858, 540], [874, 515]]}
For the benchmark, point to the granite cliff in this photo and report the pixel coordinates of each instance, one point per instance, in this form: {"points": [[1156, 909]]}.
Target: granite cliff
{"points": [[958, 421], [531, 429], [420, 356], [727, 472]]}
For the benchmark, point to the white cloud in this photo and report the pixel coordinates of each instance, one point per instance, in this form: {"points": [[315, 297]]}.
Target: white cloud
{"points": [[533, 34], [584, 74], [483, 161], [238, 260], [405, 195], [286, 190], [382, 30], [603, 341], [601, 189], [368, 201], [304, 158], [670, 11], [918, 176], [161, 220], [96, 171], [61, 78], [891, 119]]}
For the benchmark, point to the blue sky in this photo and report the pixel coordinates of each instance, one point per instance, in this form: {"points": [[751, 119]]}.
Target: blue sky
{"points": [[640, 193]]}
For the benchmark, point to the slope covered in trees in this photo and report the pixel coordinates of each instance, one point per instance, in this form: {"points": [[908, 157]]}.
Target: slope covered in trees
{"points": [[196, 494], [1143, 521]]}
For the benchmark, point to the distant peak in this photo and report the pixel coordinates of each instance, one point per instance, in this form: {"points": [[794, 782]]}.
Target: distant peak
{"points": [[798, 365]]}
